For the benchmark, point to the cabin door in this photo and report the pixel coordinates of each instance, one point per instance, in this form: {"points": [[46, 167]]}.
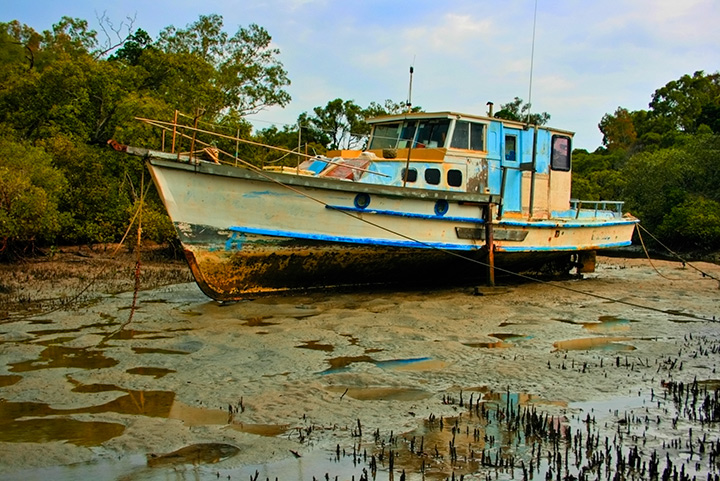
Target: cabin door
{"points": [[511, 153]]}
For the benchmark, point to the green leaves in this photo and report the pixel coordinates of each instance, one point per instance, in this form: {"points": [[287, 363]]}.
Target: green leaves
{"points": [[30, 188], [520, 112], [241, 72], [341, 123], [685, 103]]}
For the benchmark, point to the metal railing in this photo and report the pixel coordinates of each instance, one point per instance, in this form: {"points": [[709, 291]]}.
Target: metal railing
{"points": [[614, 206]]}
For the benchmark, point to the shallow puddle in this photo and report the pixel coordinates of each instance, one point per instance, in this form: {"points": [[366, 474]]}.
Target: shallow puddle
{"points": [[128, 334], [48, 332], [342, 364], [209, 453], [9, 379], [316, 346], [415, 364], [55, 356], [608, 324], [595, 343], [55, 424], [156, 372], [43, 430], [381, 393], [258, 322], [261, 429], [506, 340]]}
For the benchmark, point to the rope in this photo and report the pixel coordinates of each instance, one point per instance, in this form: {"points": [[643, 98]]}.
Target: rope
{"points": [[685, 262], [647, 254]]}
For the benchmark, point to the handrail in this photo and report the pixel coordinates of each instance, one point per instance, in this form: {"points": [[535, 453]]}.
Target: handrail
{"points": [[597, 205]]}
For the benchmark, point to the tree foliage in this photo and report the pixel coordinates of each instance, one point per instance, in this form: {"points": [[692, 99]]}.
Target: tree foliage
{"points": [[341, 124], [241, 72], [520, 112], [63, 96], [30, 191], [664, 162]]}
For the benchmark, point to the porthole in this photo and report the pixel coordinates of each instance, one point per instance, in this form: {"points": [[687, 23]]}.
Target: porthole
{"points": [[411, 175], [454, 178], [432, 176], [362, 201], [441, 207]]}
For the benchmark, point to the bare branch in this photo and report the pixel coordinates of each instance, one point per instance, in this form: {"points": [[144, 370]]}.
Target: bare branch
{"points": [[115, 36]]}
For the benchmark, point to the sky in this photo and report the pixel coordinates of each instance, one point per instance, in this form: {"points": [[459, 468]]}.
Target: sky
{"points": [[589, 57]]}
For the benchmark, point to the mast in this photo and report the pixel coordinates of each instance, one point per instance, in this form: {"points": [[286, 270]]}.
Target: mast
{"points": [[408, 104]]}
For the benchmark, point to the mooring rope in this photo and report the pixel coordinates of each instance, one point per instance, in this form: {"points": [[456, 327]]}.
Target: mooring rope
{"points": [[685, 262]]}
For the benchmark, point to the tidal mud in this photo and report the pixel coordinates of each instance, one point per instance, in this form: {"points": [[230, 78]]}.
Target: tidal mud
{"points": [[527, 380]]}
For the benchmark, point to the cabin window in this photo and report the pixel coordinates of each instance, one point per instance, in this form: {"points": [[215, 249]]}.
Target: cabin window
{"points": [[510, 147], [411, 175], [432, 133], [468, 136], [432, 176], [454, 178], [560, 159], [407, 134], [385, 136]]}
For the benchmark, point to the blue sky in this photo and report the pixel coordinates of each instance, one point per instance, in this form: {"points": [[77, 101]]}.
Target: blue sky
{"points": [[590, 56]]}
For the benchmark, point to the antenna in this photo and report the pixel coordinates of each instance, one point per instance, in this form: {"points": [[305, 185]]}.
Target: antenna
{"points": [[532, 59], [408, 104]]}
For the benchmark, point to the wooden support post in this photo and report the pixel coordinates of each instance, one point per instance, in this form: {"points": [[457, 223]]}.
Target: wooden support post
{"points": [[489, 246], [174, 131]]}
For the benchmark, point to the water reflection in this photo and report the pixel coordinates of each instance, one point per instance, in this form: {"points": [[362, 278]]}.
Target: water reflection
{"points": [[595, 343], [342, 364], [55, 356]]}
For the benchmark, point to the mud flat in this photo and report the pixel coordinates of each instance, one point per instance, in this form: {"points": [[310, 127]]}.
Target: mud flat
{"points": [[611, 376]]}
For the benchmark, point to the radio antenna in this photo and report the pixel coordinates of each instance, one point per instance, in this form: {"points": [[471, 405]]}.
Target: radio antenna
{"points": [[532, 59], [408, 104]]}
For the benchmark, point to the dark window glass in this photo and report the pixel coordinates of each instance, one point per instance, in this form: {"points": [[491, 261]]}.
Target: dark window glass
{"points": [[432, 176], [454, 178], [477, 137], [560, 153], [411, 175], [510, 147], [431, 133], [468, 135], [407, 134], [460, 135]]}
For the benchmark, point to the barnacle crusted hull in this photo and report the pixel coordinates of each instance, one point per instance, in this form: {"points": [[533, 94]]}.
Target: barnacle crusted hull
{"points": [[250, 264]]}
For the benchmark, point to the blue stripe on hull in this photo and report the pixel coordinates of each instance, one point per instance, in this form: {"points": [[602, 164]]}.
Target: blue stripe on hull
{"points": [[564, 225], [368, 241], [474, 220], [608, 245]]}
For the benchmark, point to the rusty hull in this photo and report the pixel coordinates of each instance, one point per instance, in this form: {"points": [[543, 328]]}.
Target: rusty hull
{"points": [[265, 264]]}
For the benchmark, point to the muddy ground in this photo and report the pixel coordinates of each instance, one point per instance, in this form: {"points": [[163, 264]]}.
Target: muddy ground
{"points": [[467, 381]]}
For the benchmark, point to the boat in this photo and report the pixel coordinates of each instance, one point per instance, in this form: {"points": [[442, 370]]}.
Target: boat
{"points": [[434, 197]]}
